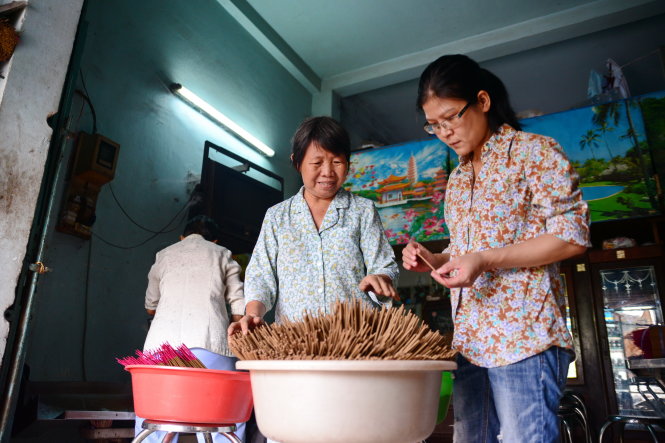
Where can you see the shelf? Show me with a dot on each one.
(613, 255)
(11, 8)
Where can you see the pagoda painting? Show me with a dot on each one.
(407, 183)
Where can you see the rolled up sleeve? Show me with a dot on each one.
(556, 195)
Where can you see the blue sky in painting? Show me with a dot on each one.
(430, 155)
(569, 127)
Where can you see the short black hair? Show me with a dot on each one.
(204, 226)
(458, 76)
(326, 132)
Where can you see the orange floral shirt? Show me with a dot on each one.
(526, 187)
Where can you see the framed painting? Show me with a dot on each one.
(407, 182)
(613, 147)
(616, 148)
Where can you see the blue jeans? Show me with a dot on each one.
(516, 403)
(211, 361)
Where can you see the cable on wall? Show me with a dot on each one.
(153, 235)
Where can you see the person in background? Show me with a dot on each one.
(323, 244)
(514, 210)
(189, 287)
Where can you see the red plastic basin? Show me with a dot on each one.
(191, 394)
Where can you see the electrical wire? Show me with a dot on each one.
(86, 96)
(189, 202)
(630, 62)
(161, 231)
(84, 333)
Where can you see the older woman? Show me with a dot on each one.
(323, 244)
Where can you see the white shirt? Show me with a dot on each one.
(189, 286)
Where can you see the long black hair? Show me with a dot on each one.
(458, 76)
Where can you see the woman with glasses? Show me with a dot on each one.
(514, 211)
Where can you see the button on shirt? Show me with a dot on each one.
(526, 187)
(300, 268)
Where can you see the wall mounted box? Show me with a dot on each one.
(94, 163)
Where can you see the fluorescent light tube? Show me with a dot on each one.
(204, 107)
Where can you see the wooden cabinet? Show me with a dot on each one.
(612, 293)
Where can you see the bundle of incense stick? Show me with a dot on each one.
(352, 332)
(165, 355)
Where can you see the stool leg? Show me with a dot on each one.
(622, 427)
(652, 432)
(602, 431)
(562, 428)
(207, 438)
(168, 438)
(569, 435)
(142, 435)
(231, 436)
(582, 416)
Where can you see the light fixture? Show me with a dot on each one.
(205, 108)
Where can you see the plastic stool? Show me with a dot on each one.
(572, 408)
(647, 422)
(174, 428)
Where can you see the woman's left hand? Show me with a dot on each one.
(380, 284)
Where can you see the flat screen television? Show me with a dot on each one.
(236, 201)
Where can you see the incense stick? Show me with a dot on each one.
(354, 331)
(165, 355)
(426, 262)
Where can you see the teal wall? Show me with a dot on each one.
(90, 308)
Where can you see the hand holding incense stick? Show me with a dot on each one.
(450, 274)
(426, 262)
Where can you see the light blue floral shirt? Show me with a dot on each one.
(298, 268)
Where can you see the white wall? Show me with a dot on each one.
(32, 92)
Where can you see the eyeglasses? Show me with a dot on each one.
(447, 123)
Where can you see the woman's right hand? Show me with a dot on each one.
(244, 325)
(410, 259)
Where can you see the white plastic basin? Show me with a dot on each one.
(350, 401)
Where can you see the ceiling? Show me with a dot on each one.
(349, 47)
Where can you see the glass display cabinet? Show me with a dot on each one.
(631, 304)
(628, 288)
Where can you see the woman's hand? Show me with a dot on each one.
(412, 262)
(460, 272)
(380, 284)
(244, 325)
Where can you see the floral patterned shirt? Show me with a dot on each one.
(526, 187)
(300, 268)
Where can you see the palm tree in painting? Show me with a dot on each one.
(604, 128)
(590, 140)
(612, 112)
